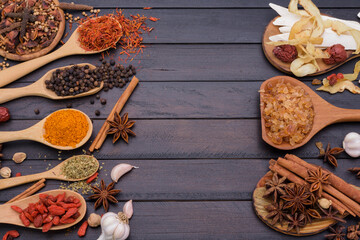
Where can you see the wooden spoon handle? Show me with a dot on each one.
(26, 134)
(344, 115)
(15, 181)
(9, 94)
(13, 73)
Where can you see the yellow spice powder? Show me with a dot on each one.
(66, 128)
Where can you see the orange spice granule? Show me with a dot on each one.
(66, 128)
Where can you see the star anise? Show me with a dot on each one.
(296, 198)
(330, 213)
(353, 232)
(337, 234)
(104, 194)
(329, 155)
(120, 127)
(355, 170)
(317, 179)
(275, 186)
(275, 212)
(310, 214)
(295, 221)
(26, 16)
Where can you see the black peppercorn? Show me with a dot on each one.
(92, 101)
(112, 62)
(69, 105)
(97, 113)
(97, 96)
(36, 111)
(103, 101)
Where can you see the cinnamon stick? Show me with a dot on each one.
(28, 192)
(73, 6)
(335, 181)
(275, 167)
(101, 136)
(302, 171)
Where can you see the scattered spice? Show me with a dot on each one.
(337, 234)
(330, 153)
(92, 178)
(97, 112)
(104, 194)
(355, 170)
(5, 172)
(79, 167)
(18, 174)
(82, 229)
(19, 157)
(50, 210)
(97, 96)
(11, 235)
(317, 179)
(103, 101)
(4, 114)
(353, 232)
(36, 111)
(99, 33)
(79, 186)
(320, 146)
(92, 101)
(120, 127)
(316, 82)
(25, 16)
(275, 187)
(66, 128)
(69, 105)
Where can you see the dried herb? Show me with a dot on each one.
(353, 232)
(26, 16)
(317, 179)
(337, 234)
(104, 194)
(79, 167)
(355, 170)
(295, 222)
(310, 214)
(296, 198)
(329, 155)
(275, 212)
(331, 214)
(120, 127)
(275, 186)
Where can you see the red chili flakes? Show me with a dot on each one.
(147, 8)
(154, 19)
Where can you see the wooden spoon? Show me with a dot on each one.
(54, 173)
(271, 30)
(71, 47)
(36, 132)
(325, 113)
(9, 216)
(38, 88)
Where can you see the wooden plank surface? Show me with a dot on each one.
(198, 145)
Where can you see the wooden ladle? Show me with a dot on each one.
(71, 47)
(38, 88)
(54, 173)
(325, 113)
(9, 216)
(36, 132)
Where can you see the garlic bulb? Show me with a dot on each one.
(120, 170)
(351, 144)
(359, 15)
(116, 226)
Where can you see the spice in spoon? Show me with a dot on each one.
(66, 128)
(79, 167)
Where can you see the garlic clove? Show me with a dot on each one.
(111, 224)
(351, 144)
(119, 170)
(128, 209)
(119, 231)
(105, 216)
(127, 232)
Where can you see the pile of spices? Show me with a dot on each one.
(50, 211)
(76, 79)
(80, 186)
(99, 33)
(66, 128)
(79, 167)
(28, 26)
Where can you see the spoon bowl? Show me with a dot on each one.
(325, 113)
(9, 216)
(54, 173)
(71, 47)
(36, 133)
(38, 88)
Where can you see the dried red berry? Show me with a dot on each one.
(337, 54)
(286, 53)
(4, 114)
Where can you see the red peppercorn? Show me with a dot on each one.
(18, 174)
(340, 76)
(4, 114)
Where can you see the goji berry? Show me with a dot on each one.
(56, 210)
(48, 219)
(76, 215)
(56, 220)
(24, 220)
(70, 199)
(38, 221)
(18, 174)
(52, 198)
(69, 213)
(67, 221)
(34, 213)
(40, 208)
(50, 202)
(16, 208)
(31, 208)
(28, 216)
(60, 197)
(12, 233)
(82, 229)
(76, 200)
(43, 196)
(46, 227)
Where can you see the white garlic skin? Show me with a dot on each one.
(351, 144)
(113, 228)
(119, 170)
(128, 209)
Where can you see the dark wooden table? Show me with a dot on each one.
(198, 143)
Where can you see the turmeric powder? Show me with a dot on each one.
(66, 128)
